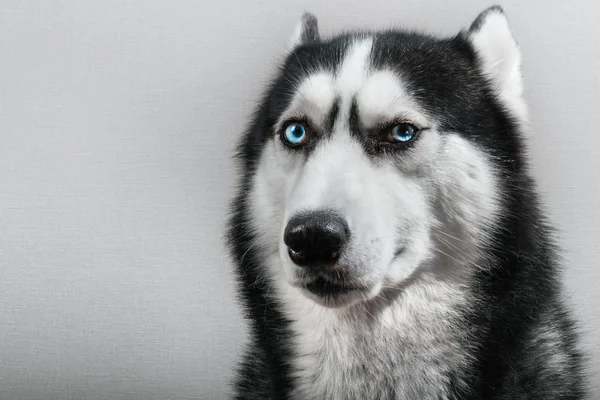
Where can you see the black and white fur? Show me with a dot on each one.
(461, 295)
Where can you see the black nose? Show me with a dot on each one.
(316, 238)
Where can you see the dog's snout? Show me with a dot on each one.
(315, 239)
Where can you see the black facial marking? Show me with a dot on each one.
(399, 251)
(353, 119)
(333, 114)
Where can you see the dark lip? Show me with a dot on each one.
(324, 288)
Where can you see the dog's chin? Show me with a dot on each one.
(332, 295)
(335, 301)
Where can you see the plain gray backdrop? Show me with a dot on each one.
(117, 123)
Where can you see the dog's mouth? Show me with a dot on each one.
(332, 293)
(333, 286)
(323, 288)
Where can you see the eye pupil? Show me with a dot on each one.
(297, 131)
(294, 134)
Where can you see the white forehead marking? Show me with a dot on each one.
(351, 77)
(355, 67)
(314, 97)
(319, 90)
(316, 94)
(380, 95)
(383, 97)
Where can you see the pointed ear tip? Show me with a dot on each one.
(496, 8)
(307, 30)
(309, 20)
(309, 17)
(485, 14)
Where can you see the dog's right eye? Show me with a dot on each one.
(401, 133)
(294, 134)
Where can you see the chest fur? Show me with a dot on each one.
(394, 353)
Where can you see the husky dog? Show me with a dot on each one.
(388, 238)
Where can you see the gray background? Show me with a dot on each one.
(117, 121)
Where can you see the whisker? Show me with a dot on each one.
(246, 252)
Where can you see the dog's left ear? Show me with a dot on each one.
(499, 55)
(306, 31)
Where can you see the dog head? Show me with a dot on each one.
(377, 156)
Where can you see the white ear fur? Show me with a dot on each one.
(306, 31)
(499, 57)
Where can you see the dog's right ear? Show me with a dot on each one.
(306, 31)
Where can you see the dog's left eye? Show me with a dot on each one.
(294, 134)
(401, 133)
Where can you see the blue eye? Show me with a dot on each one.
(294, 134)
(402, 133)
